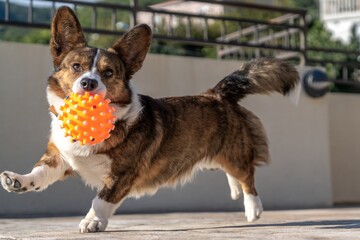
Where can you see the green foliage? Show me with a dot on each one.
(17, 34)
(25, 35)
(128, 2)
(100, 41)
(355, 45)
(37, 36)
(319, 36)
(354, 38)
(125, 2)
(312, 7)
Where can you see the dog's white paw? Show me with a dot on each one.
(253, 207)
(13, 182)
(93, 225)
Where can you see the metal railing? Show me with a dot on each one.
(282, 35)
(197, 27)
(289, 37)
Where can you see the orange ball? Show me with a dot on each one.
(87, 118)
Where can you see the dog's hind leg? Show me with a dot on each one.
(252, 201)
(244, 176)
(235, 187)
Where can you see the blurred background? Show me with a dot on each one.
(313, 144)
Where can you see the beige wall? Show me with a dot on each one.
(345, 151)
(299, 175)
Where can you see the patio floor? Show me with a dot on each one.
(334, 223)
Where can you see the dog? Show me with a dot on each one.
(155, 142)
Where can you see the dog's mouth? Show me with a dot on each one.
(100, 92)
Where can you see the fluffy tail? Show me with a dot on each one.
(257, 76)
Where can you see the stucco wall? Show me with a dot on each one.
(345, 151)
(299, 175)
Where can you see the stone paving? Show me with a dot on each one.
(334, 223)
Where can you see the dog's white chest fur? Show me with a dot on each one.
(92, 168)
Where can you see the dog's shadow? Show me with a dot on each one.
(324, 224)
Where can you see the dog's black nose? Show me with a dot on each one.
(88, 84)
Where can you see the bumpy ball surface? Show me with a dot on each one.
(87, 118)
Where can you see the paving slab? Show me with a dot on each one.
(334, 223)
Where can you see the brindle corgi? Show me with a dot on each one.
(156, 142)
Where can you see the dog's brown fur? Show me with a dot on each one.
(170, 137)
(174, 134)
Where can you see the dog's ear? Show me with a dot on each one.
(66, 34)
(132, 48)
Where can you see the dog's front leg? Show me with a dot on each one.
(96, 219)
(48, 170)
(105, 203)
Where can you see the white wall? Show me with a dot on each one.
(299, 175)
(345, 150)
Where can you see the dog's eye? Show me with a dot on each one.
(108, 73)
(76, 67)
